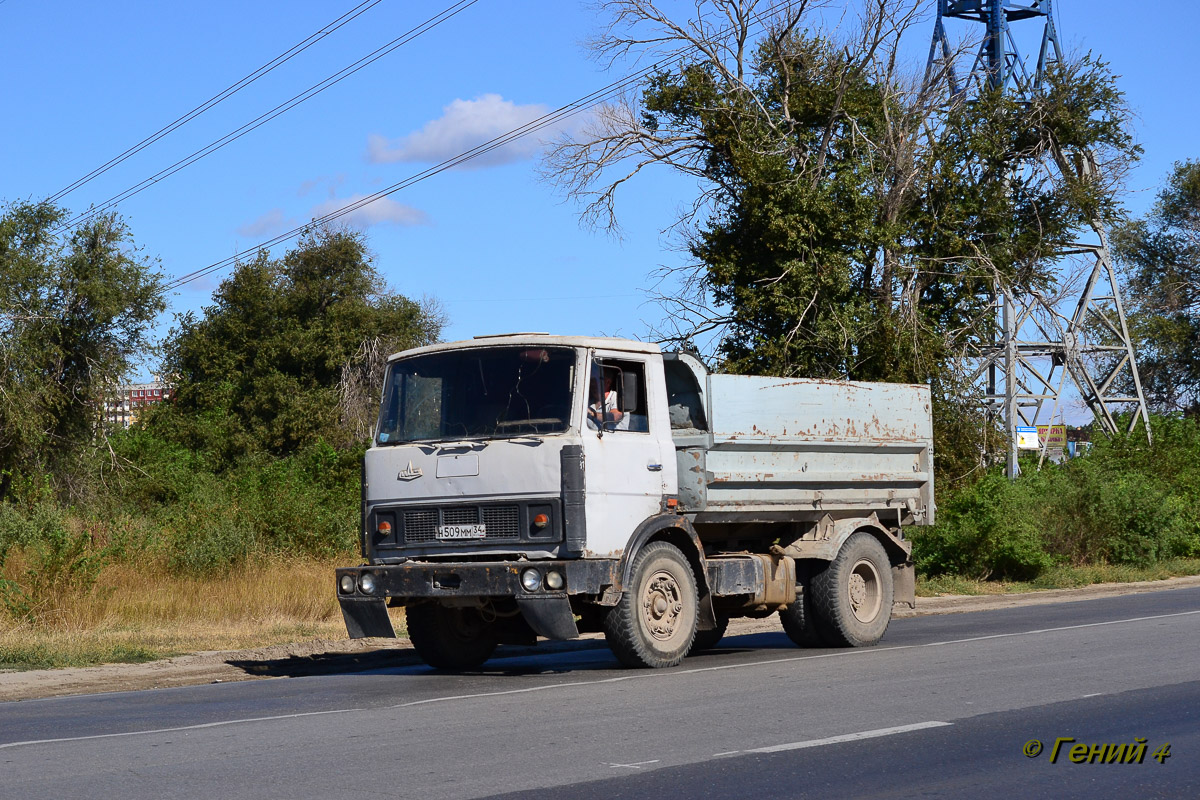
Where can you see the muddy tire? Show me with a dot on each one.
(852, 597)
(799, 618)
(706, 640)
(654, 623)
(450, 638)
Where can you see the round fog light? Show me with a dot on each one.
(554, 579)
(531, 579)
(366, 582)
(347, 584)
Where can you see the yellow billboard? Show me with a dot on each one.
(1052, 436)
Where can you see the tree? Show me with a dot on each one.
(851, 220)
(76, 307)
(260, 370)
(1160, 256)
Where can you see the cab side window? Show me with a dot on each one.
(617, 396)
(685, 404)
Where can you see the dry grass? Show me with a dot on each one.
(138, 616)
(134, 615)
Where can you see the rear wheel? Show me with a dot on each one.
(852, 598)
(654, 623)
(450, 638)
(799, 617)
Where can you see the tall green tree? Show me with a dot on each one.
(852, 221)
(266, 367)
(1160, 256)
(76, 306)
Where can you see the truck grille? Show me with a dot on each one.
(503, 522)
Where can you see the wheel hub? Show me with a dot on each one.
(864, 588)
(858, 591)
(661, 605)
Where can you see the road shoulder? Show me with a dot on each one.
(329, 656)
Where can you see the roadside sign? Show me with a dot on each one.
(1055, 436)
(1027, 438)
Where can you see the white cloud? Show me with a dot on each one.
(331, 183)
(271, 222)
(465, 124)
(380, 212)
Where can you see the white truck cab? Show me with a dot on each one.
(531, 485)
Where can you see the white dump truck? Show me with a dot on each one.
(530, 485)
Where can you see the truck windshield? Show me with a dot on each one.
(477, 393)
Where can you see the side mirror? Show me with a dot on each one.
(630, 395)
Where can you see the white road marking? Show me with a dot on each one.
(850, 737)
(637, 765)
(1062, 628)
(182, 727)
(1093, 694)
(652, 675)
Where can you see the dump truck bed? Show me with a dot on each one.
(818, 446)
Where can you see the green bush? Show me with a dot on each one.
(1125, 503)
(987, 530)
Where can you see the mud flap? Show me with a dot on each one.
(366, 618)
(904, 585)
(549, 615)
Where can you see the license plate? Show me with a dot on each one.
(477, 531)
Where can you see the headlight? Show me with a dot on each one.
(531, 579)
(366, 583)
(554, 579)
(346, 584)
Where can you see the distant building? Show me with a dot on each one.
(127, 403)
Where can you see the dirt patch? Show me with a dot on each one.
(324, 657)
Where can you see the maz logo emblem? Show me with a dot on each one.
(409, 473)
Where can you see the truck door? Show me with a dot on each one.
(626, 472)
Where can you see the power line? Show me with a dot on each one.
(559, 114)
(278, 110)
(226, 93)
(563, 112)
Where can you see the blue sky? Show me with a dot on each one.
(497, 247)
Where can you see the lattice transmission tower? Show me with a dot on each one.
(1081, 334)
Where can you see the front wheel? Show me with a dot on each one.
(852, 597)
(450, 638)
(654, 623)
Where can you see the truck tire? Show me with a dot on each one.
(450, 638)
(799, 620)
(852, 598)
(654, 623)
(706, 640)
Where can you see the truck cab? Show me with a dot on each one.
(530, 485)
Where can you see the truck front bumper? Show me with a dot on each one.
(363, 591)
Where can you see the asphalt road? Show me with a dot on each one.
(942, 708)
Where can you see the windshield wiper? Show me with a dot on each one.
(525, 439)
(437, 447)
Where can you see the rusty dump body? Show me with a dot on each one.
(773, 449)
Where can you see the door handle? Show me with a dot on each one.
(654, 467)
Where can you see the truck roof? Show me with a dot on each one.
(534, 339)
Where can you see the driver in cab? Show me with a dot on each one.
(606, 409)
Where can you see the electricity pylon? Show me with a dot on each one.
(1042, 341)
